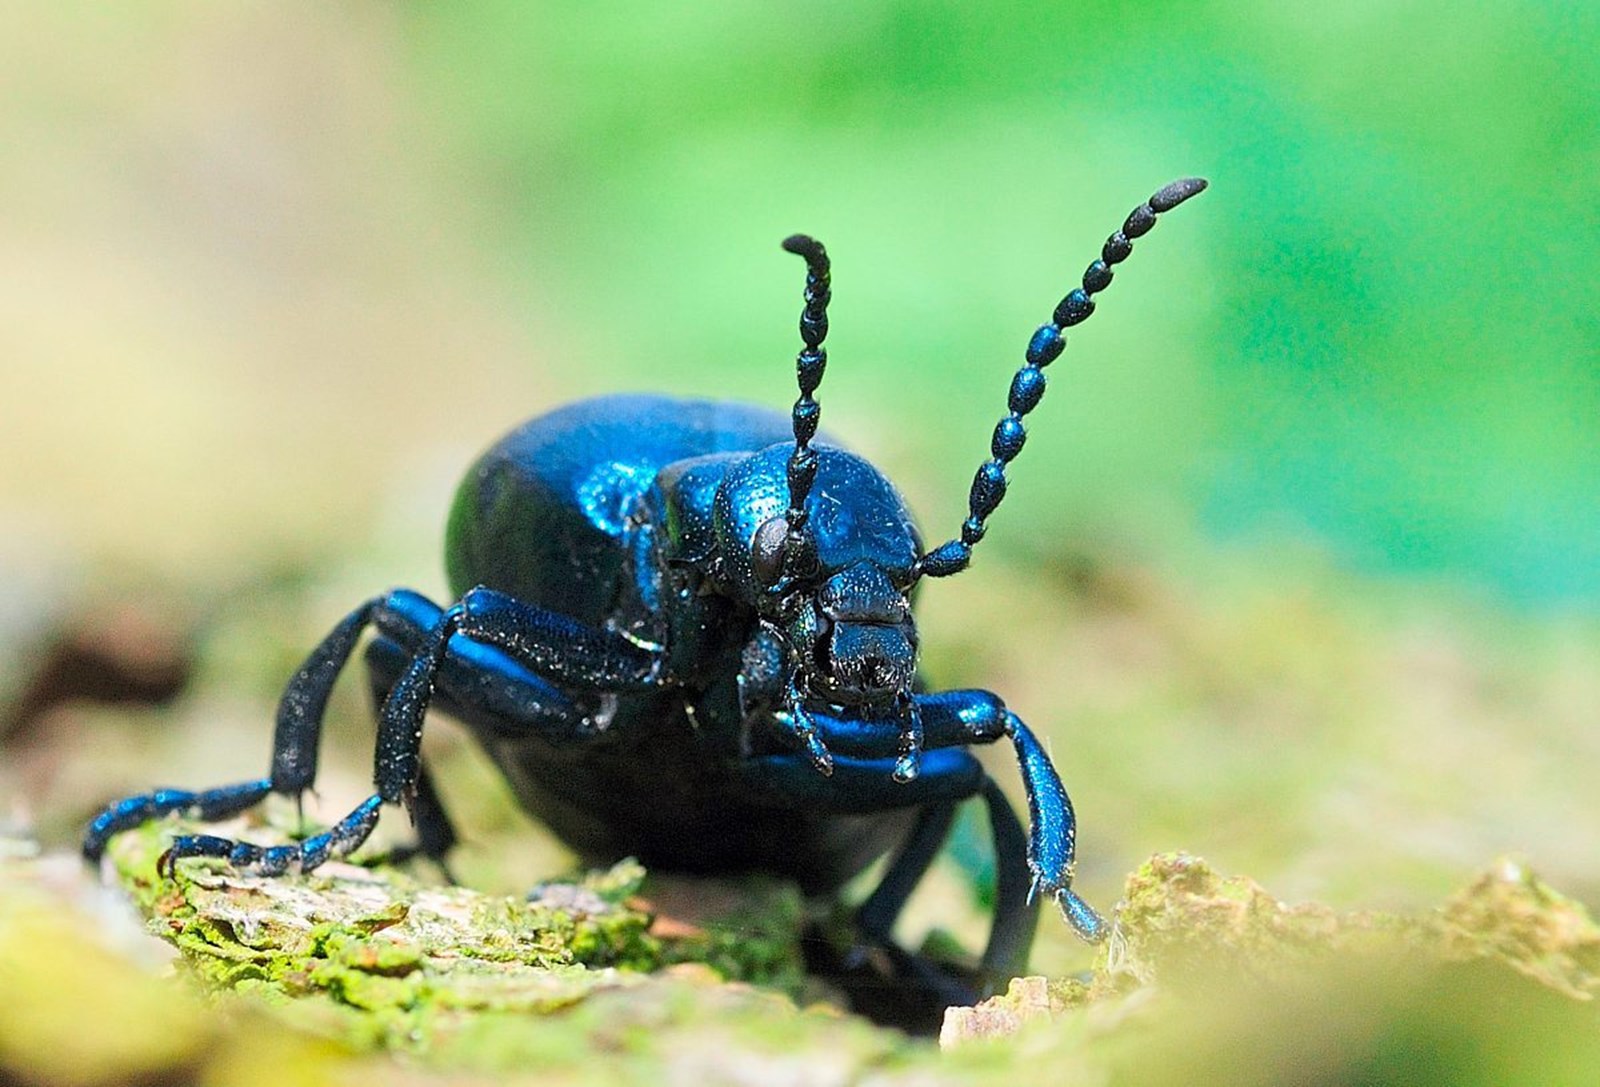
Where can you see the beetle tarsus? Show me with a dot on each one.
(339, 840)
(1083, 918)
(908, 764)
(210, 805)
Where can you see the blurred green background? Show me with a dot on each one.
(1301, 567)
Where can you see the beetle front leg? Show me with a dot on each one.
(960, 718)
(981, 717)
(1052, 845)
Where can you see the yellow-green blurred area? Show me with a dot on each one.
(1300, 569)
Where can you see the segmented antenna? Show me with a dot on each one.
(1027, 387)
(809, 366)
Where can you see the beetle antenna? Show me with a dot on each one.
(1027, 387)
(809, 366)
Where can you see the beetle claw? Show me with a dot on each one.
(906, 768)
(821, 757)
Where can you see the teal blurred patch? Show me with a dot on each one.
(1383, 338)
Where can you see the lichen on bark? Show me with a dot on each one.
(378, 957)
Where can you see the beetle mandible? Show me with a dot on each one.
(684, 633)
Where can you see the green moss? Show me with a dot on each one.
(376, 958)
(1510, 915)
(1211, 977)
(745, 930)
(1180, 916)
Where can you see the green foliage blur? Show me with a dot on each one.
(1376, 331)
(240, 234)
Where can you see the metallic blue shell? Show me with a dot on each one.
(542, 513)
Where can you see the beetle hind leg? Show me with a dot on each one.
(916, 990)
(1015, 912)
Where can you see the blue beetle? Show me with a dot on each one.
(683, 631)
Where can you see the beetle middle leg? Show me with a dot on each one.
(436, 834)
(948, 776)
(541, 644)
(295, 741)
(1015, 911)
(916, 990)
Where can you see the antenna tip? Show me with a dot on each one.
(806, 246)
(1176, 193)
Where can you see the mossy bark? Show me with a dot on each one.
(353, 973)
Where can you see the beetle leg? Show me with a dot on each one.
(1015, 913)
(396, 772)
(954, 720)
(877, 915)
(958, 718)
(858, 785)
(485, 687)
(507, 631)
(337, 841)
(560, 649)
(542, 640)
(799, 724)
(1052, 845)
(1052, 842)
(436, 835)
(949, 775)
(294, 747)
(220, 803)
(296, 737)
(946, 719)
(398, 756)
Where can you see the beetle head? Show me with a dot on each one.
(837, 589)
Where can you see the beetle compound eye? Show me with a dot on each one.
(766, 552)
